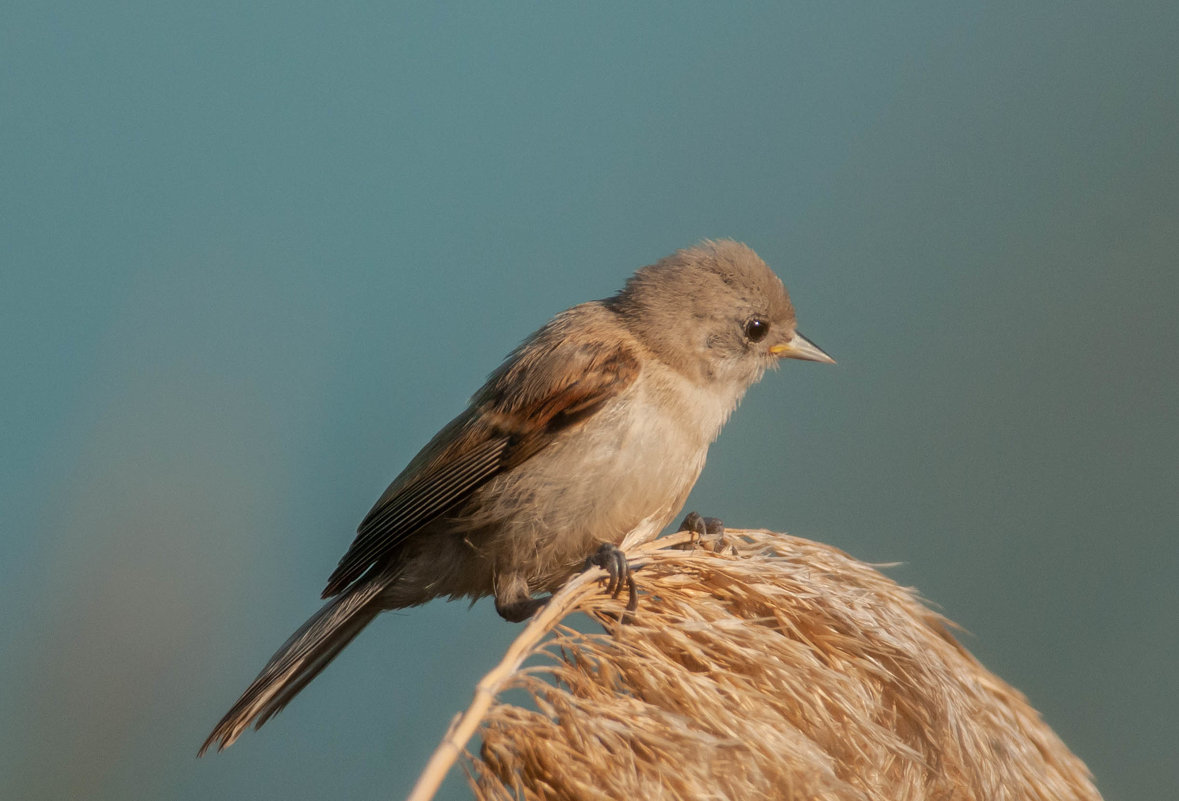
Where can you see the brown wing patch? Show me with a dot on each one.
(555, 381)
(551, 388)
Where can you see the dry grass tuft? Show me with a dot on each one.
(784, 670)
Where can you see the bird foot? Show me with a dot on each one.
(707, 533)
(612, 559)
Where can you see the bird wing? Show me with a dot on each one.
(550, 384)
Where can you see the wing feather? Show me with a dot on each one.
(553, 382)
(420, 502)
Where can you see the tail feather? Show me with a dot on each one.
(298, 661)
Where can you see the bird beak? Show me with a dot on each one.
(801, 348)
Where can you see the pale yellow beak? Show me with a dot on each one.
(801, 348)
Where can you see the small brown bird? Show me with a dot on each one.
(596, 426)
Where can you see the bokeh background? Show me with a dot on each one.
(254, 255)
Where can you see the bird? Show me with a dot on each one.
(596, 426)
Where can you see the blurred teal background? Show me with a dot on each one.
(253, 256)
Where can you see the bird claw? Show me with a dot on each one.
(612, 559)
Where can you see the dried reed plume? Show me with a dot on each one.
(776, 669)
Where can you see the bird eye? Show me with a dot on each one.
(756, 329)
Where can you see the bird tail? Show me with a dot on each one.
(298, 661)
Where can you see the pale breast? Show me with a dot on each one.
(632, 463)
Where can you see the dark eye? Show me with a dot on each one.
(756, 329)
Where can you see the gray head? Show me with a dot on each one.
(715, 312)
